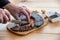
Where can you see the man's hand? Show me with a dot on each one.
(4, 16)
(15, 11)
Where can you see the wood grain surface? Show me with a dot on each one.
(49, 32)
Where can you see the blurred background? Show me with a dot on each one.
(38, 4)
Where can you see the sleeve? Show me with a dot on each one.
(3, 3)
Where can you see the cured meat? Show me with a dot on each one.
(37, 22)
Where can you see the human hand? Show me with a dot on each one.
(15, 11)
(4, 16)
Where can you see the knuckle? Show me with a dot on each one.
(7, 19)
(1, 10)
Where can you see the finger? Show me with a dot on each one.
(16, 16)
(1, 18)
(27, 15)
(4, 20)
(26, 9)
(5, 17)
(8, 14)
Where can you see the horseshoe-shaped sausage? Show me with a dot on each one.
(38, 21)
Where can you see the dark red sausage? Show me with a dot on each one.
(38, 21)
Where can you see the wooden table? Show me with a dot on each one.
(49, 32)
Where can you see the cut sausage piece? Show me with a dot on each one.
(24, 20)
(38, 19)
